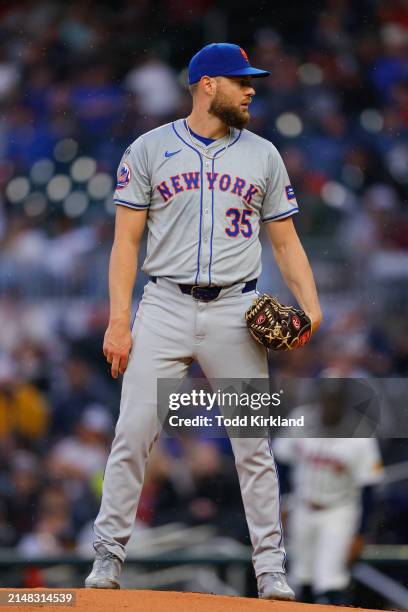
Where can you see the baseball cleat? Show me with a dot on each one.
(273, 585)
(105, 572)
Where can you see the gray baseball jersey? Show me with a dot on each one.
(204, 218)
(204, 214)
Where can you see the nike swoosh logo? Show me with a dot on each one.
(171, 153)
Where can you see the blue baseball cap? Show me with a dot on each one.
(221, 59)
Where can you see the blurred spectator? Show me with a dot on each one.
(23, 492)
(51, 534)
(78, 461)
(155, 87)
(83, 455)
(9, 76)
(23, 409)
(202, 488)
(33, 364)
(97, 101)
(391, 66)
(375, 225)
(79, 389)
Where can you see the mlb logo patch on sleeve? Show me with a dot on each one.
(123, 176)
(290, 194)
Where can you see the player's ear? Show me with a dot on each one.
(209, 85)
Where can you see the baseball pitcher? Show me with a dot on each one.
(203, 185)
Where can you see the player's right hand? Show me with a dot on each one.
(116, 346)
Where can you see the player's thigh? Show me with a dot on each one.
(336, 531)
(228, 350)
(152, 357)
(160, 350)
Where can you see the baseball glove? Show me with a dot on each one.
(278, 327)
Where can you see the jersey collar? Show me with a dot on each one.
(219, 143)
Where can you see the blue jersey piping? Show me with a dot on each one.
(131, 204)
(212, 207)
(201, 199)
(288, 213)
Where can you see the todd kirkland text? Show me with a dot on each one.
(260, 421)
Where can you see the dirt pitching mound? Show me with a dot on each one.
(157, 601)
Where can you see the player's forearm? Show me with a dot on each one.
(297, 274)
(122, 276)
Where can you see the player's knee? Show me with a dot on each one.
(137, 433)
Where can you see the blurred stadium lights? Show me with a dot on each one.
(42, 171)
(334, 194)
(75, 204)
(394, 34)
(289, 124)
(397, 161)
(17, 189)
(65, 150)
(310, 74)
(372, 120)
(59, 187)
(35, 204)
(82, 169)
(100, 186)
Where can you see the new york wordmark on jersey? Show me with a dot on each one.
(188, 181)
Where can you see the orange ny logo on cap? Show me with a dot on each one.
(244, 55)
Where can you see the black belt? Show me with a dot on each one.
(207, 294)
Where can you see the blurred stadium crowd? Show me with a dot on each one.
(77, 85)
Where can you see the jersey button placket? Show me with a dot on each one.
(205, 230)
(201, 307)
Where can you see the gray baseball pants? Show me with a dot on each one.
(171, 329)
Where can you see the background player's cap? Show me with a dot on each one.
(221, 59)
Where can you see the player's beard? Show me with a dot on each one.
(230, 115)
